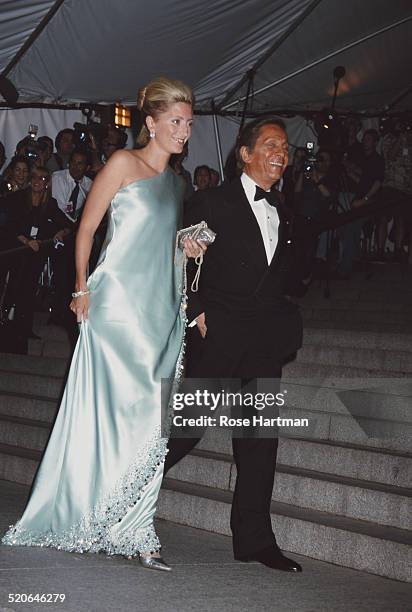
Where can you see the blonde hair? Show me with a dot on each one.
(156, 97)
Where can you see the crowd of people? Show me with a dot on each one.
(43, 190)
(347, 175)
(45, 185)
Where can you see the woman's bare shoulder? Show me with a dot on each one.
(129, 165)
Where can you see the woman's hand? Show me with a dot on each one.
(34, 245)
(80, 307)
(194, 248)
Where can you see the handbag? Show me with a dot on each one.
(202, 232)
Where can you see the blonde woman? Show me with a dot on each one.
(97, 487)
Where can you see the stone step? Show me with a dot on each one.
(340, 457)
(32, 364)
(49, 332)
(360, 339)
(18, 464)
(364, 500)
(24, 433)
(50, 348)
(355, 316)
(306, 370)
(387, 326)
(352, 543)
(328, 427)
(386, 399)
(392, 468)
(376, 359)
(28, 407)
(360, 305)
(31, 384)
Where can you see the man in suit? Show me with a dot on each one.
(245, 328)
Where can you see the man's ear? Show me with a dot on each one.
(245, 154)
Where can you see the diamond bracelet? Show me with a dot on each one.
(77, 294)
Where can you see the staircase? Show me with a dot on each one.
(343, 487)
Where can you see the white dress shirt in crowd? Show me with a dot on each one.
(62, 187)
(266, 216)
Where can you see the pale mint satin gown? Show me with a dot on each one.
(98, 483)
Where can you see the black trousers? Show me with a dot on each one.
(25, 270)
(255, 457)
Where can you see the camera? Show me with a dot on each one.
(31, 143)
(83, 133)
(310, 160)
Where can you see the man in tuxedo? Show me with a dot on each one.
(245, 328)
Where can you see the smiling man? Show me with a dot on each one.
(244, 327)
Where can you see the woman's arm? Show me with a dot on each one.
(105, 186)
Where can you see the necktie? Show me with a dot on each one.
(272, 197)
(73, 198)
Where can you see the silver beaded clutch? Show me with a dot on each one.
(200, 231)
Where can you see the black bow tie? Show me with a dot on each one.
(272, 197)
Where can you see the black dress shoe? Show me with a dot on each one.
(273, 558)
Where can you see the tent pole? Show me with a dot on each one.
(33, 36)
(270, 51)
(398, 98)
(218, 144)
(320, 60)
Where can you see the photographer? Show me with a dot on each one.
(64, 147)
(366, 179)
(100, 141)
(397, 151)
(291, 175)
(314, 192)
(34, 217)
(71, 186)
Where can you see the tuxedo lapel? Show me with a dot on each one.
(246, 224)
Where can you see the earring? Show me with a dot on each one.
(152, 134)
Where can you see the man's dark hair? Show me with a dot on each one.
(80, 151)
(47, 140)
(250, 133)
(198, 169)
(371, 132)
(60, 136)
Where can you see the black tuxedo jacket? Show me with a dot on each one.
(243, 296)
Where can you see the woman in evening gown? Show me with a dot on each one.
(99, 480)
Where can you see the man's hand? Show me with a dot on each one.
(358, 203)
(201, 324)
(60, 235)
(34, 245)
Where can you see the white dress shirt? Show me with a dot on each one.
(266, 216)
(62, 187)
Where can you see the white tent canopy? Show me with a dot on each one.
(89, 51)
